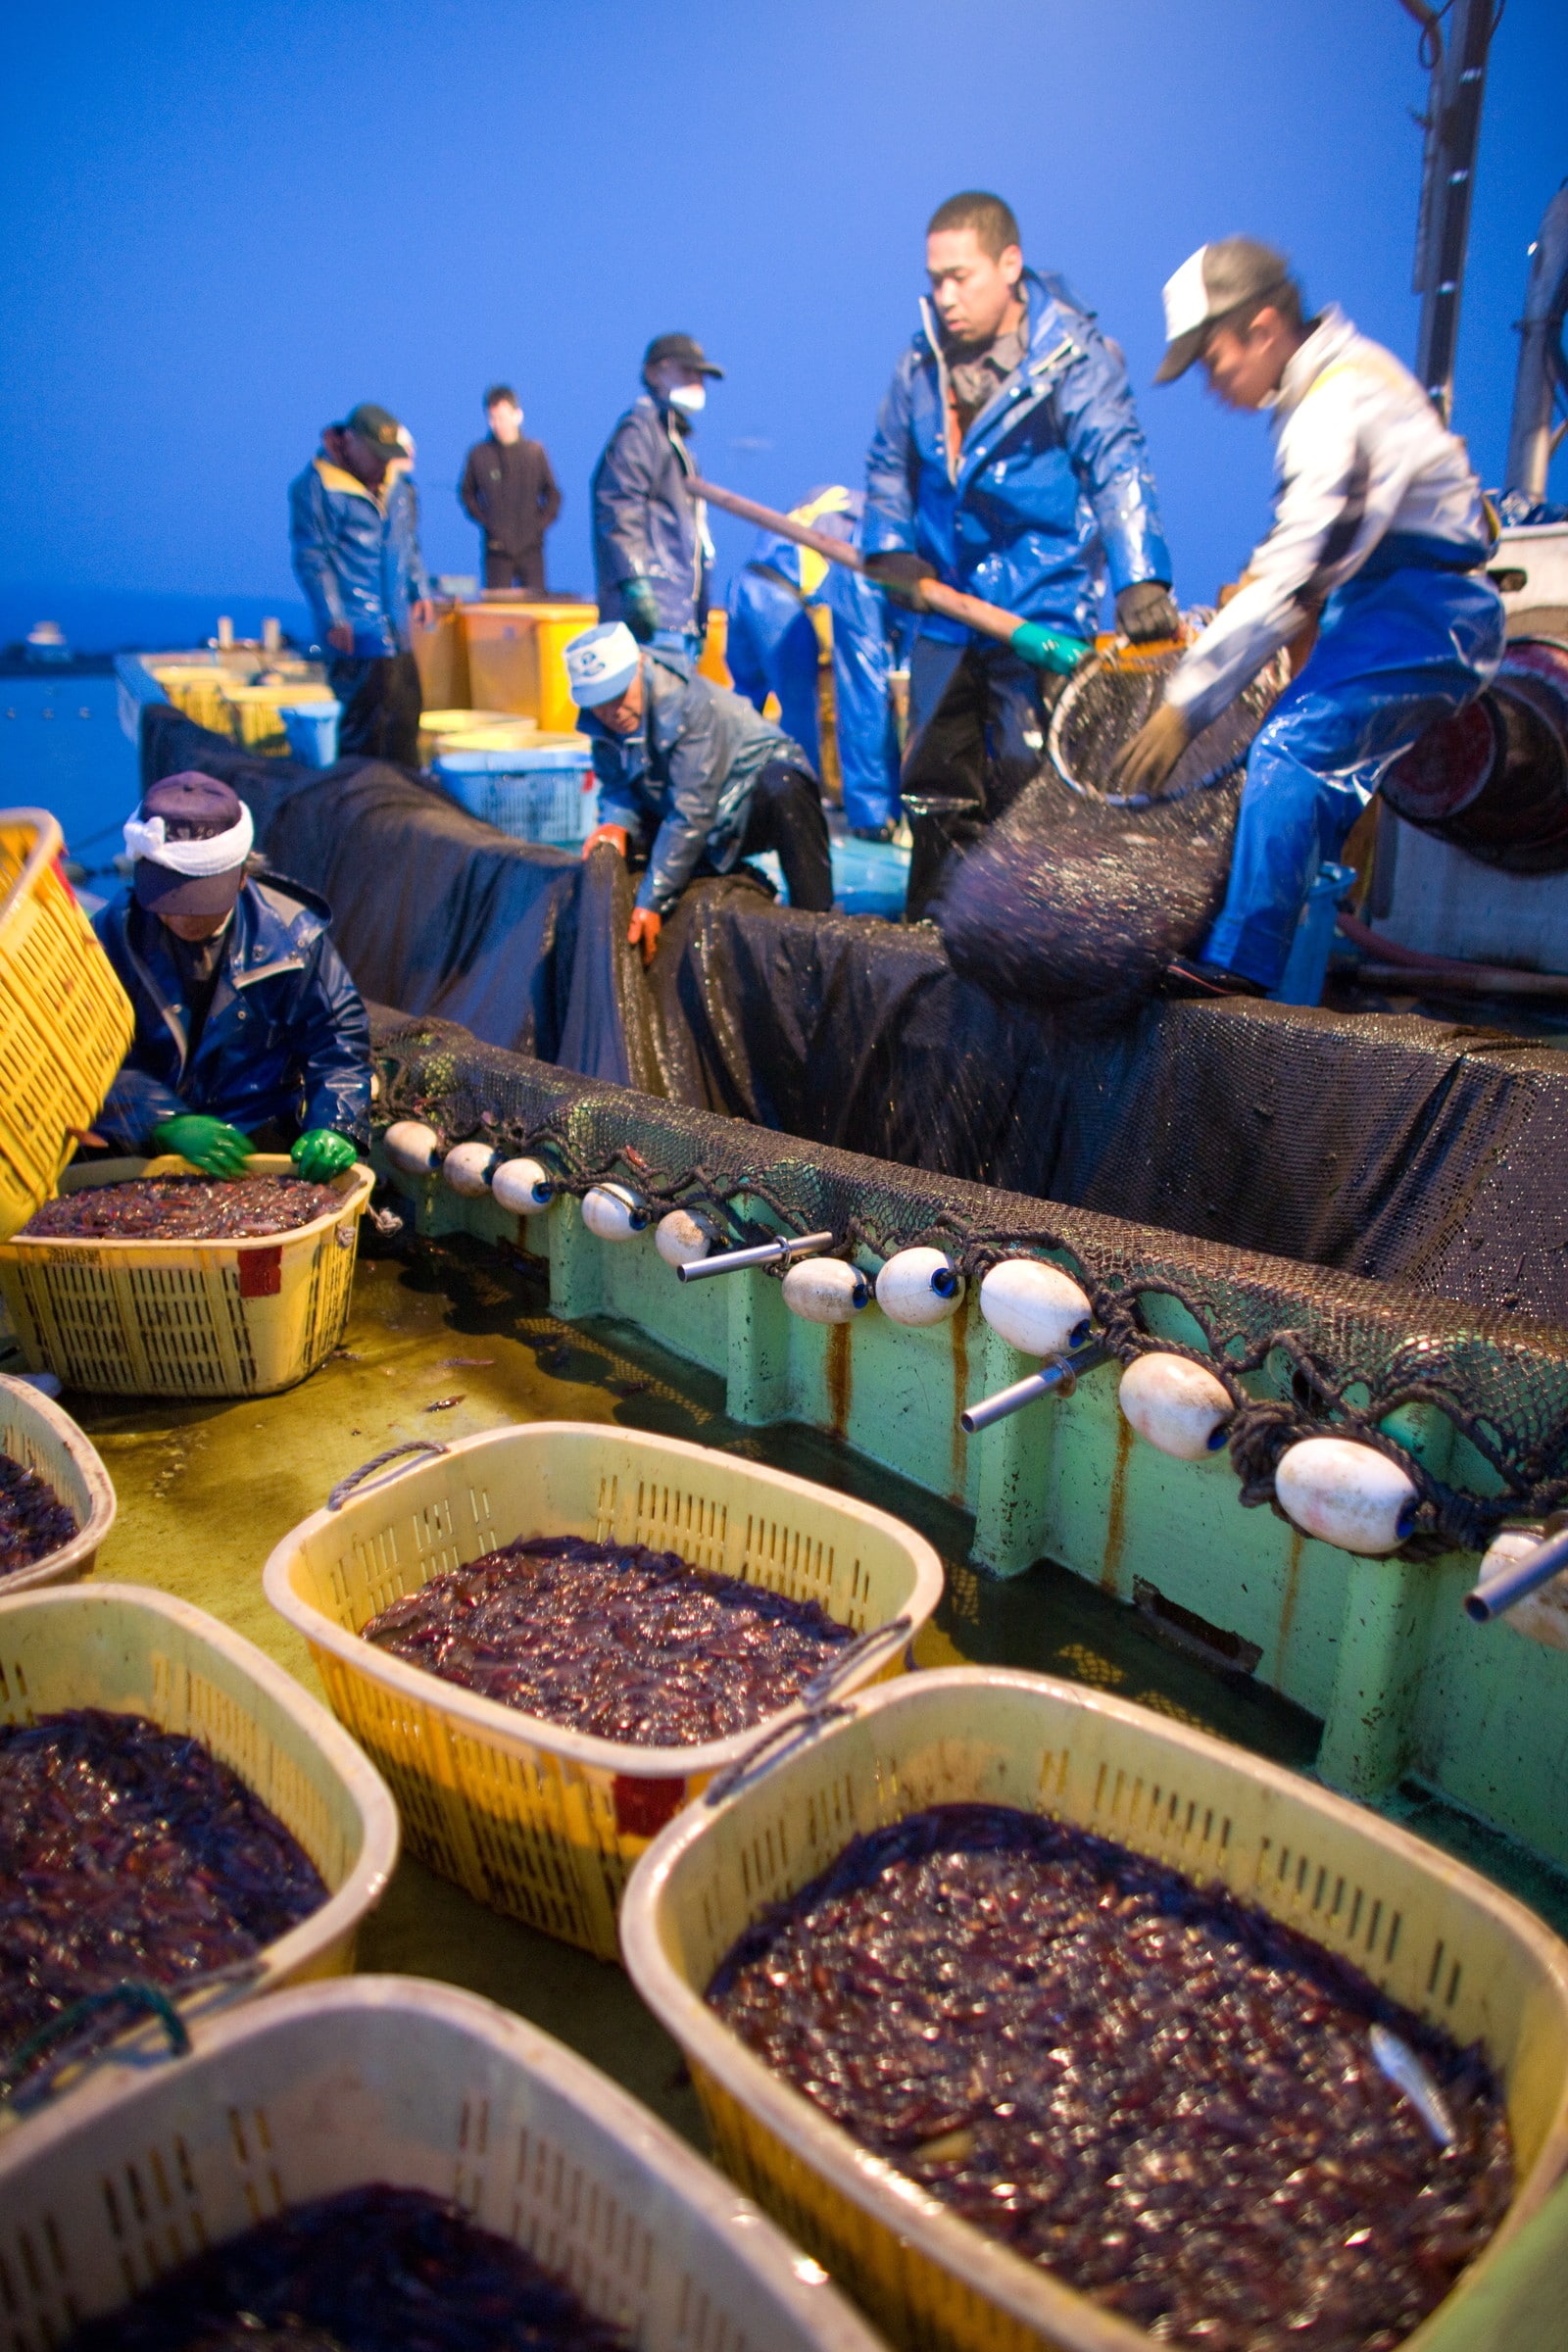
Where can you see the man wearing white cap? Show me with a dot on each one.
(250, 1035)
(1380, 535)
(691, 777)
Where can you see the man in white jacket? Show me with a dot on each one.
(1379, 535)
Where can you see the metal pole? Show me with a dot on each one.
(1540, 345)
(1453, 134)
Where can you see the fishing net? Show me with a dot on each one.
(1303, 1351)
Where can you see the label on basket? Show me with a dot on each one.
(641, 1807)
(261, 1272)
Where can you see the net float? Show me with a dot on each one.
(1346, 1493)
(679, 1239)
(468, 1168)
(614, 1212)
(918, 1286)
(412, 1146)
(1175, 1404)
(1035, 1307)
(824, 1289)
(523, 1187)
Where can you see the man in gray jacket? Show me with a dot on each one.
(691, 777)
(652, 552)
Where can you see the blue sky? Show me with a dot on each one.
(226, 227)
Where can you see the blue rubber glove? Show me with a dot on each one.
(209, 1143)
(322, 1153)
(639, 610)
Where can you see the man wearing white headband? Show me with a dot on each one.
(691, 778)
(250, 1035)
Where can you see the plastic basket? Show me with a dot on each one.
(187, 1318)
(1437, 1937)
(135, 1651)
(392, 2080)
(66, 1023)
(542, 789)
(34, 1431)
(541, 1822)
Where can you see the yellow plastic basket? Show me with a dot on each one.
(1437, 1937)
(34, 1431)
(541, 1822)
(66, 1023)
(187, 1318)
(136, 1652)
(392, 2080)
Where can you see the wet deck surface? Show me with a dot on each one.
(455, 1338)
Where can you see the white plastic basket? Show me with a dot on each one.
(34, 1431)
(392, 2080)
(1436, 1937)
(534, 1819)
(133, 1651)
(544, 790)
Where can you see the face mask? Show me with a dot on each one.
(690, 399)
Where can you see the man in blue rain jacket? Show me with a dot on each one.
(772, 648)
(354, 536)
(250, 1035)
(1007, 462)
(652, 552)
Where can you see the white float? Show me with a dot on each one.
(614, 1212)
(824, 1289)
(468, 1168)
(918, 1286)
(523, 1187)
(412, 1146)
(1346, 1493)
(1033, 1306)
(679, 1239)
(1176, 1404)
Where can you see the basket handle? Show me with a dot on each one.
(346, 1485)
(68, 2038)
(827, 1678)
(779, 1740)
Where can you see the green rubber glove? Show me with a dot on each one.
(1049, 648)
(322, 1153)
(209, 1143)
(640, 611)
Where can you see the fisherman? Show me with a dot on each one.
(652, 552)
(355, 541)
(250, 1035)
(691, 777)
(507, 488)
(773, 648)
(1379, 535)
(1008, 462)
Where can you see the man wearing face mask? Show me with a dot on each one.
(1007, 462)
(652, 552)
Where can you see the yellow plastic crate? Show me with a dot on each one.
(1444, 1942)
(134, 1651)
(66, 1023)
(392, 2080)
(537, 1821)
(187, 1318)
(198, 689)
(34, 1431)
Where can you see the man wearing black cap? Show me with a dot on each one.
(652, 552)
(250, 1035)
(355, 540)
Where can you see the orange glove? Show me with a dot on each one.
(616, 835)
(645, 926)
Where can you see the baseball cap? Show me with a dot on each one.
(601, 663)
(1212, 281)
(194, 821)
(374, 424)
(684, 348)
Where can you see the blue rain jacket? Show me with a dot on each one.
(1053, 482)
(772, 648)
(356, 556)
(684, 781)
(286, 1037)
(647, 524)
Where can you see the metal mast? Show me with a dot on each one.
(1452, 126)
